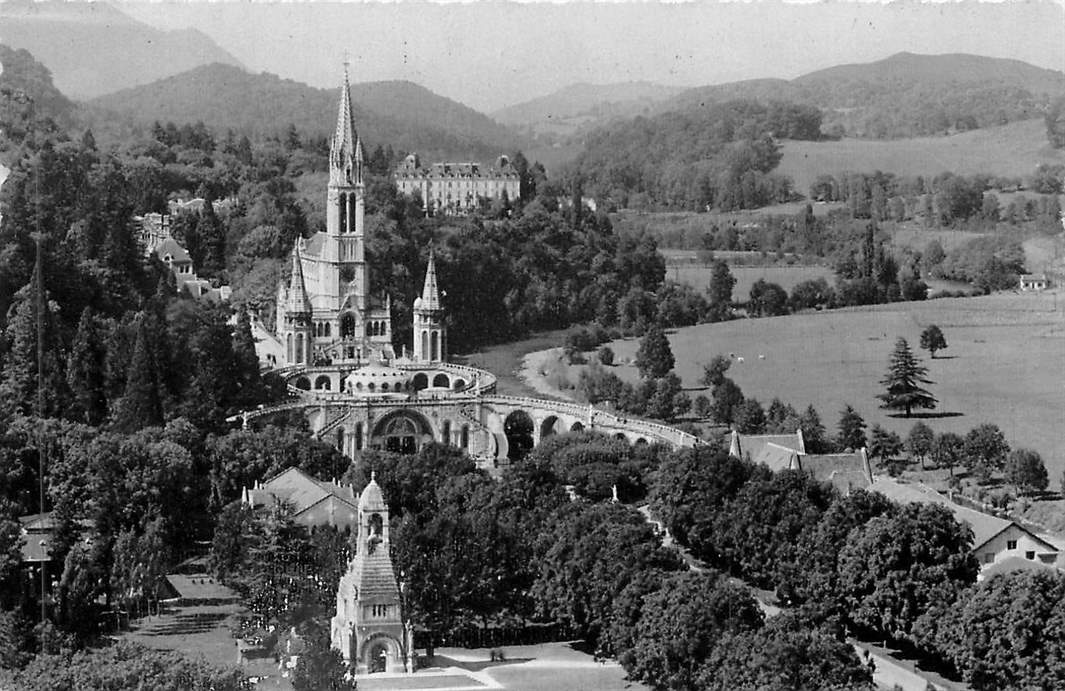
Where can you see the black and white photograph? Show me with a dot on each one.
(535, 345)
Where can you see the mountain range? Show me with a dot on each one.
(397, 113)
(92, 48)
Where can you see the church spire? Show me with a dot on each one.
(298, 302)
(345, 151)
(430, 294)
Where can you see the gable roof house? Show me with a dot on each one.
(314, 502)
(1000, 544)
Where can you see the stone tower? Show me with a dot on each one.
(430, 336)
(368, 627)
(299, 336)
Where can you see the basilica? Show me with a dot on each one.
(324, 311)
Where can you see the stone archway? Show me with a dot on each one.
(402, 431)
(322, 383)
(381, 653)
(303, 383)
(547, 427)
(518, 428)
(420, 381)
(441, 381)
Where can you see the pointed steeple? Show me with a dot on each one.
(430, 295)
(298, 302)
(345, 151)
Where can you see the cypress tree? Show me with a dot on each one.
(141, 405)
(249, 381)
(654, 358)
(85, 372)
(904, 376)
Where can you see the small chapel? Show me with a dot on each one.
(368, 628)
(324, 310)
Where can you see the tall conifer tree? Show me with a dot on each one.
(85, 371)
(904, 376)
(141, 405)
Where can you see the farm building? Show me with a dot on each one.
(846, 471)
(313, 502)
(1034, 282)
(998, 543)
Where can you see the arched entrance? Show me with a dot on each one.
(322, 383)
(401, 432)
(576, 427)
(420, 381)
(381, 653)
(303, 383)
(518, 427)
(441, 381)
(547, 427)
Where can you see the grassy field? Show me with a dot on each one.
(786, 276)
(1013, 149)
(1004, 364)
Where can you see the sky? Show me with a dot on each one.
(492, 54)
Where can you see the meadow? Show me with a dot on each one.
(1014, 150)
(1004, 363)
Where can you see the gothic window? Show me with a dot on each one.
(347, 326)
(358, 433)
(465, 437)
(434, 346)
(327, 330)
(445, 433)
(425, 345)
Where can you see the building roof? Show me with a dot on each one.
(371, 498)
(846, 471)
(346, 148)
(751, 445)
(1033, 277)
(430, 298)
(176, 251)
(984, 526)
(778, 457)
(36, 535)
(299, 489)
(297, 289)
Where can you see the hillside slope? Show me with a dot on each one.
(567, 109)
(402, 114)
(905, 95)
(1011, 150)
(93, 48)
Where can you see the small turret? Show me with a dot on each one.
(430, 337)
(297, 300)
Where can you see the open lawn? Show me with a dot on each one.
(1004, 363)
(1014, 150)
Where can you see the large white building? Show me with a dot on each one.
(457, 188)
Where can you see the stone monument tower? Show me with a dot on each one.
(368, 627)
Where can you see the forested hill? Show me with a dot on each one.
(397, 113)
(905, 95)
(92, 48)
(27, 94)
(579, 104)
(721, 155)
